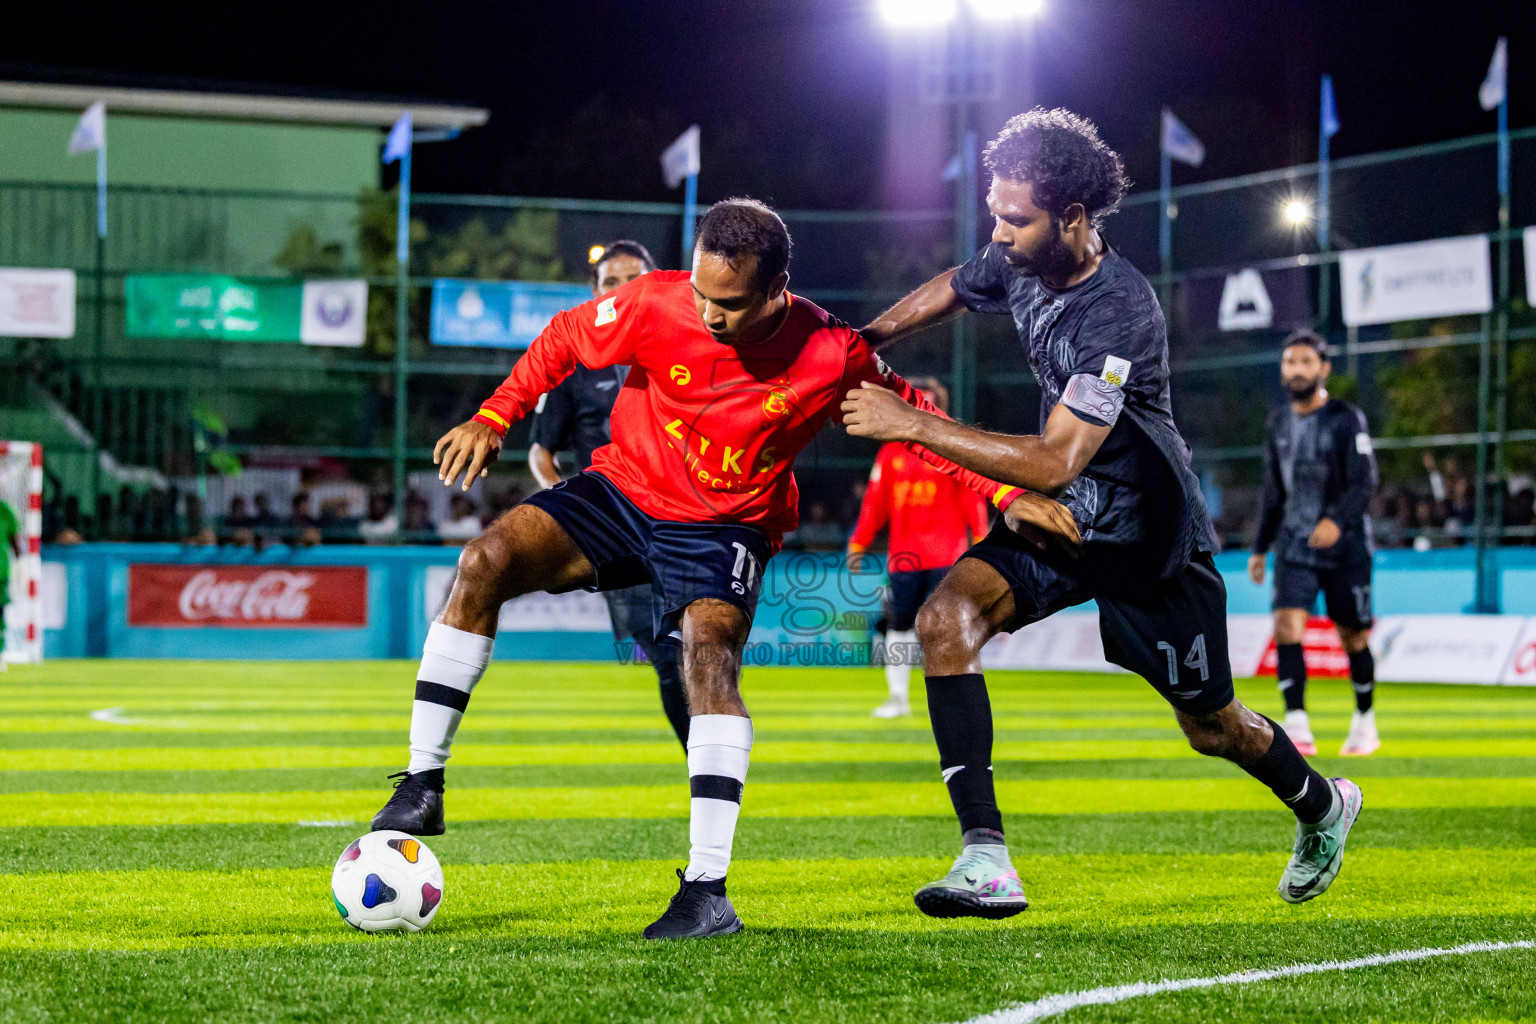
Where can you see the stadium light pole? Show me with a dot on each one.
(963, 66)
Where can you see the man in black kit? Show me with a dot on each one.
(574, 417)
(1319, 474)
(1108, 448)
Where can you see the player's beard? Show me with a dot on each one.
(1055, 257)
(1302, 388)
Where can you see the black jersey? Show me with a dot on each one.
(1101, 348)
(574, 416)
(1316, 466)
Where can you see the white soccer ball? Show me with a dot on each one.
(386, 882)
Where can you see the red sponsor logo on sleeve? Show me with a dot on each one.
(247, 596)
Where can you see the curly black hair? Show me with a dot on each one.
(738, 228)
(1061, 155)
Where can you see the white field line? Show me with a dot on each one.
(1050, 1006)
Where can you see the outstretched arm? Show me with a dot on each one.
(1046, 463)
(929, 304)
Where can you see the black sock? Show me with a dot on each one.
(961, 716)
(1291, 667)
(669, 677)
(1293, 780)
(1362, 675)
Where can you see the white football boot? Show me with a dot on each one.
(1299, 728)
(1362, 740)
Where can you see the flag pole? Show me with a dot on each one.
(98, 357)
(1164, 221)
(1491, 597)
(402, 340)
(1324, 268)
(690, 216)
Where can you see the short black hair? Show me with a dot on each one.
(621, 247)
(1061, 155)
(1308, 338)
(739, 228)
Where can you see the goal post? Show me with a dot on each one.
(21, 488)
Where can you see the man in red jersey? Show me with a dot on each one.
(730, 378)
(933, 518)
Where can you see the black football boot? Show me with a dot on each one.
(698, 911)
(416, 807)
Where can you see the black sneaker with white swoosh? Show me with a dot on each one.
(698, 911)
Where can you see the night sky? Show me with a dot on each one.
(791, 94)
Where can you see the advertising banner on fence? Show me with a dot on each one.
(241, 309)
(1442, 277)
(248, 596)
(37, 303)
(1444, 648)
(1070, 642)
(575, 612)
(498, 314)
(1521, 669)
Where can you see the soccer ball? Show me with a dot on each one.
(387, 882)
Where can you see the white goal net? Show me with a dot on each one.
(21, 489)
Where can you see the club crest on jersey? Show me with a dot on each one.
(1116, 371)
(607, 312)
(780, 401)
(680, 374)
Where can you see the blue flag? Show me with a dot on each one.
(1330, 111)
(399, 142)
(1179, 142)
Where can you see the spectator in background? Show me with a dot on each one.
(462, 524)
(418, 517)
(1520, 513)
(381, 525)
(238, 518)
(300, 517)
(819, 531)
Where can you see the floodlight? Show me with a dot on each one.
(908, 13)
(1006, 10)
(595, 253)
(1297, 212)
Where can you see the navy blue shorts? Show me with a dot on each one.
(1346, 589)
(906, 595)
(1170, 631)
(682, 562)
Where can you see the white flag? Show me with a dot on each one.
(91, 132)
(1491, 94)
(681, 159)
(1179, 142)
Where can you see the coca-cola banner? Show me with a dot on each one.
(247, 596)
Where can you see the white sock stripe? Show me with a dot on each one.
(1051, 1006)
(1304, 784)
(1286, 684)
(456, 645)
(717, 759)
(721, 730)
(950, 773)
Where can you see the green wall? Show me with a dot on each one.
(186, 153)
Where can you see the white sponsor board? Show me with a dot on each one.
(1245, 303)
(1444, 648)
(575, 612)
(334, 313)
(1442, 277)
(1520, 670)
(1070, 642)
(37, 303)
(53, 591)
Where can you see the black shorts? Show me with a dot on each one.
(631, 613)
(1170, 631)
(682, 562)
(907, 592)
(1346, 589)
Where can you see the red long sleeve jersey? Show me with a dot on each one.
(705, 432)
(928, 513)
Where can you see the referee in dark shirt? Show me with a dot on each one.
(1319, 474)
(574, 418)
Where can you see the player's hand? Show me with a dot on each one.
(1042, 521)
(1256, 568)
(854, 559)
(469, 448)
(1325, 534)
(876, 412)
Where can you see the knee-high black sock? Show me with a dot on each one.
(1292, 779)
(1291, 668)
(962, 726)
(1362, 676)
(669, 677)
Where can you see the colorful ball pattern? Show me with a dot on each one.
(386, 882)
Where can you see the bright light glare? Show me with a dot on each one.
(1297, 212)
(595, 253)
(918, 12)
(1006, 10)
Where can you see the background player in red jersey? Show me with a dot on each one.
(933, 518)
(730, 378)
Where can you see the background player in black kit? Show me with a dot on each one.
(574, 418)
(1319, 474)
(1108, 448)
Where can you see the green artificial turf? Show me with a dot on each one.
(168, 857)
